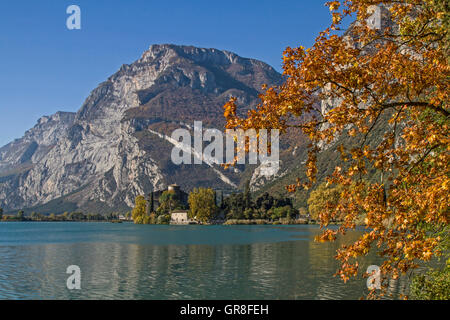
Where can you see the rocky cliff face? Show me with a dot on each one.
(36, 142)
(116, 146)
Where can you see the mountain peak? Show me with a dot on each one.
(117, 145)
(57, 116)
(196, 54)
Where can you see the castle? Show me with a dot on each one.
(181, 195)
(177, 216)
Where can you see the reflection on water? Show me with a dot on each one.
(162, 262)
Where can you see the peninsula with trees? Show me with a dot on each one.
(209, 206)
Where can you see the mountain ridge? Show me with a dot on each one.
(105, 153)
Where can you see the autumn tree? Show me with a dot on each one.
(202, 204)
(139, 211)
(322, 197)
(390, 65)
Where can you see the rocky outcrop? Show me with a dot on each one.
(36, 142)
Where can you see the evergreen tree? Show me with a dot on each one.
(152, 202)
(169, 201)
(247, 195)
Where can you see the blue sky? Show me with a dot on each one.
(44, 67)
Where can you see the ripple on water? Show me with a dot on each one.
(166, 262)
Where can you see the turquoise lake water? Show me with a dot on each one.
(127, 261)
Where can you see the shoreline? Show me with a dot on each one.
(231, 222)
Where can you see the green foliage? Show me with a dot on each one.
(433, 285)
(234, 205)
(38, 216)
(247, 195)
(168, 201)
(76, 216)
(98, 217)
(245, 222)
(66, 216)
(151, 205)
(142, 212)
(20, 215)
(240, 206)
(202, 203)
(248, 213)
(163, 219)
(284, 212)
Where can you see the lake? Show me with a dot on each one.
(127, 261)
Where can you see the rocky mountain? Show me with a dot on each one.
(329, 156)
(36, 142)
(118, 144)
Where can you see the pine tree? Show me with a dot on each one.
(247, 196)
(152, 203)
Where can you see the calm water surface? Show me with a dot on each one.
(127, 261)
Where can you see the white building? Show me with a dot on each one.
(179, 217)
